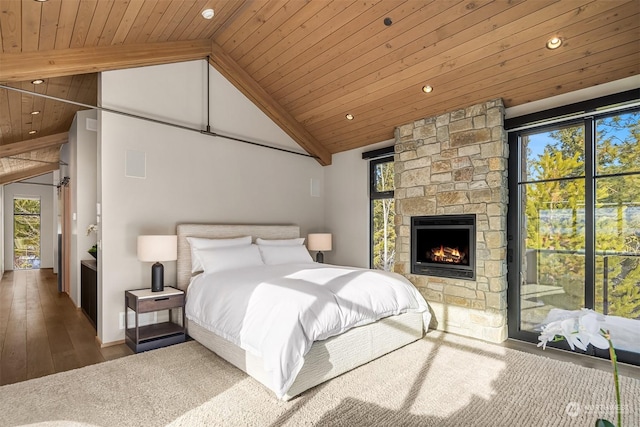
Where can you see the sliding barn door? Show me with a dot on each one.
(65, 255)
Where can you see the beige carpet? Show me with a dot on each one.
(442, 380)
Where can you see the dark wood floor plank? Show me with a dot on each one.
(116, 351)
(42, 331)
(6, 298)
(13, 360)
(65, 361)
(39, 360)
(59, 340)
(82, 336)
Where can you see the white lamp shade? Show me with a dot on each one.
(319, 242)
(157, 248)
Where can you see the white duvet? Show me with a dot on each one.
(276, 312)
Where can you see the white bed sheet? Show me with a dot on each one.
(277, 312)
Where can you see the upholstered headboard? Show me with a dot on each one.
(223, 231)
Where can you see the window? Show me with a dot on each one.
(382, 211)
(574, 216)
(26, 233)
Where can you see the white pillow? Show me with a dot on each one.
(229, 258)
(280, 242)
(198, 243)
(272, 255)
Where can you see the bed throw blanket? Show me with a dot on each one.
(276, 312)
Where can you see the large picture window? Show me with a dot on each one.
(382, 210)
(574, 219)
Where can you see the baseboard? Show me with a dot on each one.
(108, 344)
(569, 356)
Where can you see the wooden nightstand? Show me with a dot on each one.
(89, 290)
(148, 337)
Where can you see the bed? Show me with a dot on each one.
(326, 358)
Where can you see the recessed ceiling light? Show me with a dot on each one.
(31, 132)
(349, 116)
(427, 89)
(41, 1)
(37, 81)
(35, 113)
(554, 42)
(207, 13)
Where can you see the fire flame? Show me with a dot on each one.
(451, 255)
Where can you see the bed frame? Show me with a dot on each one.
(326, 359)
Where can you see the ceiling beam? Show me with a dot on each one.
(24, 66)
(230, 69)
(27, 173)
(34, 144)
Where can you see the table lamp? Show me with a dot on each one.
(156, 249)
(319, 242)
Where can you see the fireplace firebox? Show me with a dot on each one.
(444, 246)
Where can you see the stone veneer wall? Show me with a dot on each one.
(456, 163)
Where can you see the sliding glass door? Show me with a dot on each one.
(574, 221)
(617, 216)
(552, 187)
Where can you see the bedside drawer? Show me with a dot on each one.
(160, 303)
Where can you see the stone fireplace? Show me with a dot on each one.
(452, 165)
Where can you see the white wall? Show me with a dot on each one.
(82, 160)
(347, 206)
(190, 177)
(2, 231)
(30, 188)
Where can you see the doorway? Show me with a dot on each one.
(26, 233)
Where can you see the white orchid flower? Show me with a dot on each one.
(579, 329)
(589, 331)
(569, 331)
(92, 228)
(549, 333)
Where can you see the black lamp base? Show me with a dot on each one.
(320, 257)
(157, 277)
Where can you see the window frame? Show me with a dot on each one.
(374, 194)
(587, 114)
(25, 214)
(377, 157)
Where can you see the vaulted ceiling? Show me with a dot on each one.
(307, 64)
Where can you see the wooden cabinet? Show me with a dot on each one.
(147, 337)
(89, 290)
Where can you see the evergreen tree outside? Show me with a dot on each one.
(384, 234)
(554, 190)
(26, 232)
(618, 214)
(383, 216)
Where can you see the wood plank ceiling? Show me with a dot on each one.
(308, 64)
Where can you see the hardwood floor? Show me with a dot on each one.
(41, 330)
